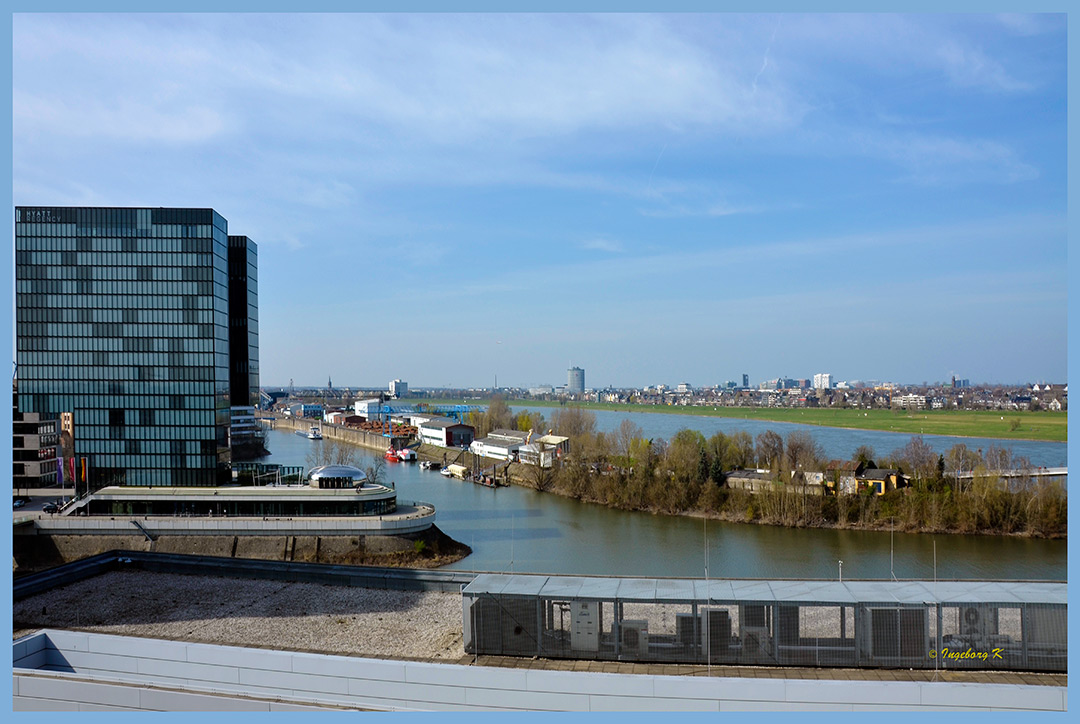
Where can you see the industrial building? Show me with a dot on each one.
(446, 432)
(127, 319)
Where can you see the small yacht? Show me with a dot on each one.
(314, 433)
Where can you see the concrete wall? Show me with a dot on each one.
(91, 667)
(408, 519)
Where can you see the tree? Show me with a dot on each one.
(331, 452)
(573, 422)
(803, 452)
(919, 458)
(739, 452)
(770, 450)
(864, 454)
(625, 436)
(499, 414)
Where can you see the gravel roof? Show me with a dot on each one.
(241, 612)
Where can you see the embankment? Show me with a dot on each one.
(428, 549)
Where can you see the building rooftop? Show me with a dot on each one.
(675, 590)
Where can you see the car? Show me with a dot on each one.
(50, 508)
(19, 502)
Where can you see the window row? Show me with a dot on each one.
(46, 374)
(103, 231)
(83, 272)
(155, 301)
(186, 425)
(87, 286)
(158, 363)
(192, 462)
(132, 316)
(219, 330)
(117, 344)
(201, 259)
(81, 387)
(151, 447)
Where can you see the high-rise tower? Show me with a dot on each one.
(123, 319)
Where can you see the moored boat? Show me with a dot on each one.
(392, 455)
(314, 433)
(406, 455)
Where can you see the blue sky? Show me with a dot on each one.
(655, 198)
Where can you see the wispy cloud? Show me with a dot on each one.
(608, 245)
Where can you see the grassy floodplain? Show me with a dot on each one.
(1043, 426)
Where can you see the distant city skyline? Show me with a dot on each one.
(446, 199)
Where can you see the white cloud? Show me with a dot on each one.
(967, 66)
(608, 245)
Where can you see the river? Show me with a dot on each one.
(521, 530)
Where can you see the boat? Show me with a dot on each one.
(392, 455)
(406, 455)
(314, 433)
(445, 472)
(426, 464)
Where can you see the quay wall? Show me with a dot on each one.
(338, 432)
(441, 455)
(37, 553)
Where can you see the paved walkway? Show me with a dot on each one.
(623, 667)
(1025, 678)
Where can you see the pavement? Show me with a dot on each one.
(755, 672)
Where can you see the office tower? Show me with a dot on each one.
(123, 320)
(575, 381)
(745, 380)
(245, 435)
(822, 381)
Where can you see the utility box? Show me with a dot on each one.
(585, 626)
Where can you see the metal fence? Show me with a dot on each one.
(976, 625)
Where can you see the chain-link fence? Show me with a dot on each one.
(881, 631)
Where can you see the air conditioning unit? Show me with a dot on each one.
(756, 642)
(635, 636)
(897, 633)
(684, 629)
(715, 631)
(978, 621)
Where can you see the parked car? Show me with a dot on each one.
(50, 508)
(19, 502)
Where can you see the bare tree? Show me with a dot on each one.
(770, 449)
(803, 452)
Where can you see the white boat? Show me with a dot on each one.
(406, 455)
(426, 464)
(445, 472)
(314, 433)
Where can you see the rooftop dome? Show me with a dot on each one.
(337, 472)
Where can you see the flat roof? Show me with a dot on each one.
(689, 590)
(237, 492)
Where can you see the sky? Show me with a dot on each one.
(458, 199)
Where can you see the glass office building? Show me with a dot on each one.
(122, 319)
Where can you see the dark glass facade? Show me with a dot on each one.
(243, 321)
(122, 318)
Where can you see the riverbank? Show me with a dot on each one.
(980, 509)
